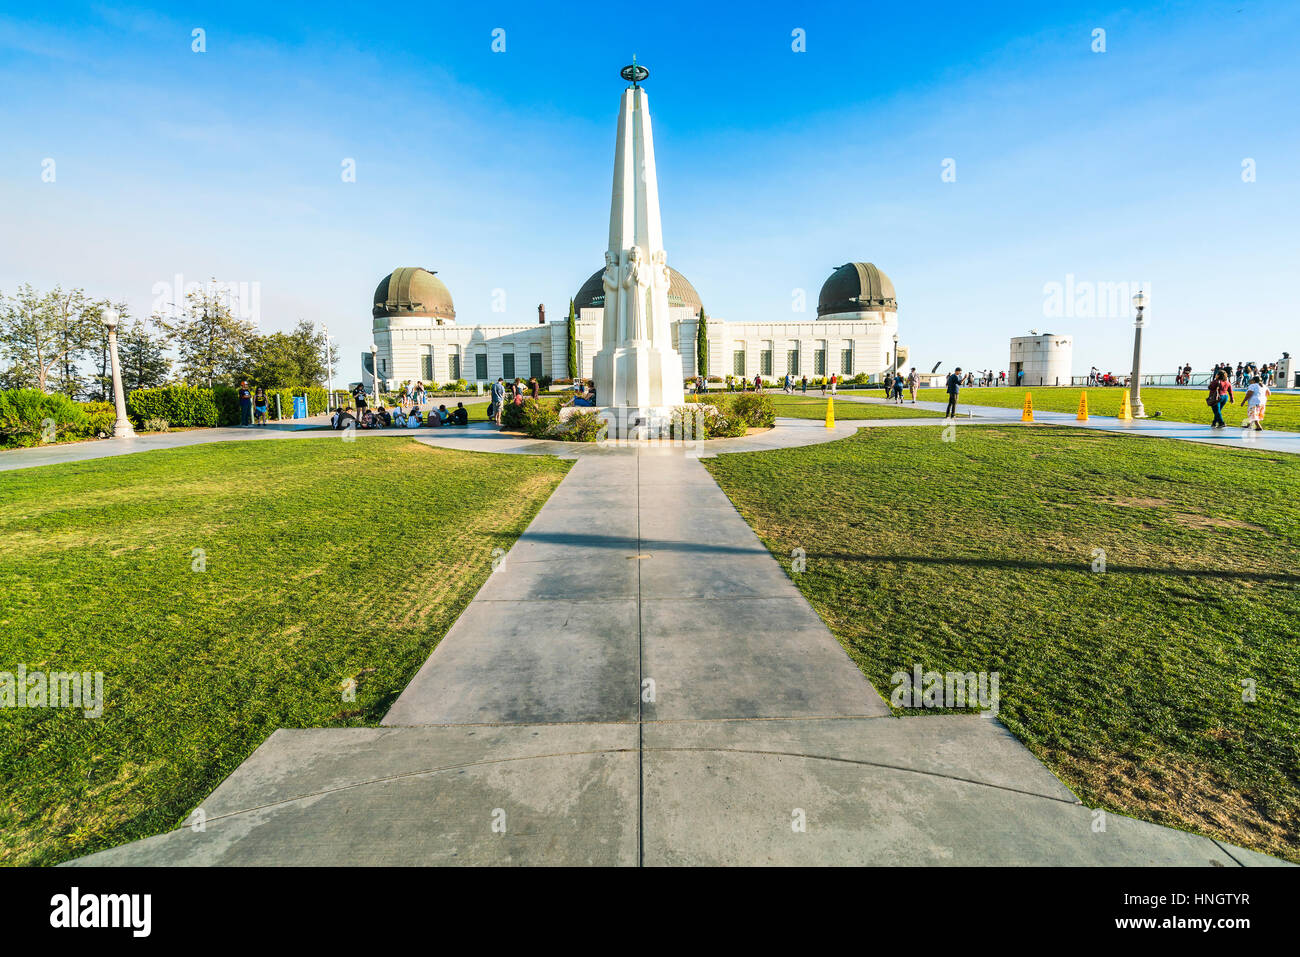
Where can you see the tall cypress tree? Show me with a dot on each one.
(573, 342)
(702, 345)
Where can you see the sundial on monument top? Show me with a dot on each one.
(634, 72)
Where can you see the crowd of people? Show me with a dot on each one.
(409, 413)
(1097, 377)
(1243, 375)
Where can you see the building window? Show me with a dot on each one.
(792, 361)
(453, 366)
(765, 362)
(383, 367)
(846, 362)
(738, 362)
(535, 365)
(480, 365)
(508, 365)
(426, 368)
(819, 362)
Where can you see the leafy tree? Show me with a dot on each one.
(702, 345)
(286, 359)
(141, 353)
(211, 340)
(45, 336)
(573, 342)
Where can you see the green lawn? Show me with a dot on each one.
(814, 407)
(975, 555)
(1179, 405)
(323, 560)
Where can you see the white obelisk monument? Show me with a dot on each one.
(638, 372)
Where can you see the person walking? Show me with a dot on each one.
(498, 400)
(1255, 400)
(758, 382)
(259, 406)
(804, 384)
(913, 383)
(954, 387)
(1219, 395)
(245, 406)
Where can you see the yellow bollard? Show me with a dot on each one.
(1083, 407)
(1125, 408)
(1028, 414)
(830, 412)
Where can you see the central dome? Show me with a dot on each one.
(412, 291)
(856, 287)
(680, 293)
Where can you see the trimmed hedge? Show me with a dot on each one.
(189, 406)
(30, 417)
(180, 405)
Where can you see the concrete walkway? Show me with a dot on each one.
(639, 682)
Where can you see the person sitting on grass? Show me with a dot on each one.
(383, 418)
(432, 419)
(414, 419)
(443, 415)
(460, 415)
(344, 418)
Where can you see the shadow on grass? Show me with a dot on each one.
(1016, 564)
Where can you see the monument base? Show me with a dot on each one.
(632, 423)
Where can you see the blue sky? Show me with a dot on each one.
(775, 166)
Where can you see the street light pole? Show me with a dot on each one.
(1135, 380)
(896, 355)
(122, 428)
(374, 370)
(329, 369)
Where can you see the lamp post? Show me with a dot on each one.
(329, 369)
(374, 370)
(1135, 382)
(122, 428)
(895, 355)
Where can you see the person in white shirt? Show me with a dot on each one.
(1255, 400)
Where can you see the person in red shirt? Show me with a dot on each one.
(1220, 394)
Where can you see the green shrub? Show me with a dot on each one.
(101, 417)
(585, 426)
(156, 425)
(539, 417)
(30, 417)
(184, 406)
(756, 411)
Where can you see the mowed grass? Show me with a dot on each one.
(1178, 405)
(814, 407)
(321, 560)
(976, 555)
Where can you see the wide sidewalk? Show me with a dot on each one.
(640, 682)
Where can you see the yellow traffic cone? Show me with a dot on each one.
(1028, 414)
(1125, 408)
(1083, 407)
(830, 413)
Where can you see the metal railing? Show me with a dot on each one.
(1172, 379)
